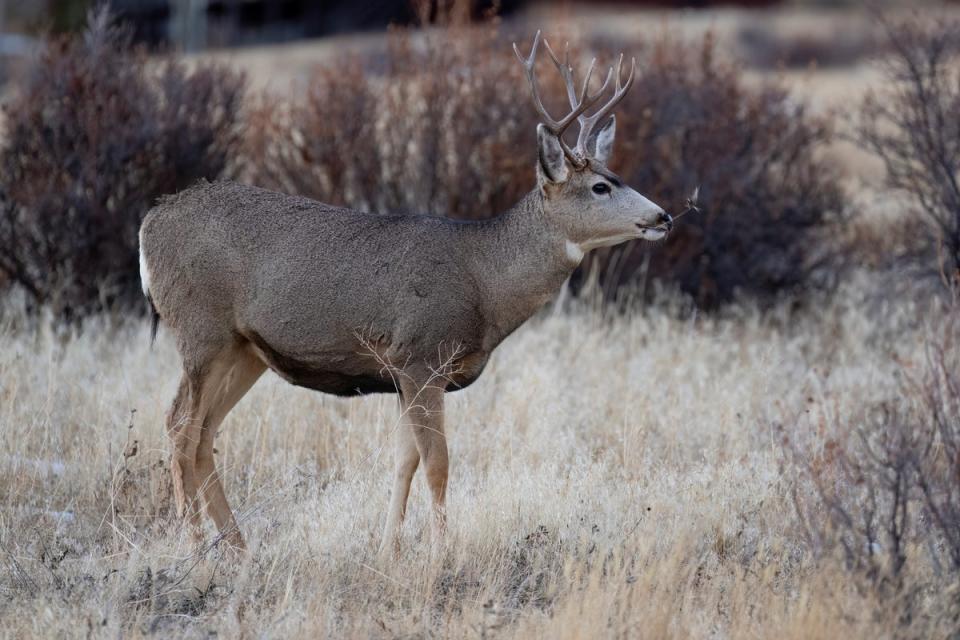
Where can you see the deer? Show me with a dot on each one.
(248, 279)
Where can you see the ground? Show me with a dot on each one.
(614, 475)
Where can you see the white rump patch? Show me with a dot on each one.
(144, 272)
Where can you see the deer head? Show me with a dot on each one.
(581, 195)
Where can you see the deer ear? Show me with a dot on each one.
(552, 164)
(602, 142)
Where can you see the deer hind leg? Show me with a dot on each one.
(205, 395)
(424, 411)
(234, 374)
(183, 427)
(406, 461)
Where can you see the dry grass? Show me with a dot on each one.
(647, 498)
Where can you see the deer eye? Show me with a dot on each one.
(601, 188)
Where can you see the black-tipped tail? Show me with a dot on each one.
(154, 321)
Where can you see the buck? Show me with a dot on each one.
(347, 302)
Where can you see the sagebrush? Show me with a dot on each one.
(95, 132)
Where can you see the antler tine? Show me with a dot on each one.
(579, 106)
(528, 63)
(587, 123)
(566, 72)
(584, 97)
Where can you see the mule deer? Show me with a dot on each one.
(249, 280)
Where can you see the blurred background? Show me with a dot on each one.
(796, 119)
(198, 24)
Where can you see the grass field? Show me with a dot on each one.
(612, 476)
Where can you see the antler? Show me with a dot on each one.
(578, 102)
(587, 123)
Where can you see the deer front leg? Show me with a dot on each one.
(407, 459)
(425, 414)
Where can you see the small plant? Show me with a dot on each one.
(95, 132)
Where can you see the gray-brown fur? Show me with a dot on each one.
(312, 285)
(347, 302)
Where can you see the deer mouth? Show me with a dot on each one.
(657, 232)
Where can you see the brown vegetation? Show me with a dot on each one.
(878, 490)
(441, 129)
(768, 204)
(95, 133)
(913, 125)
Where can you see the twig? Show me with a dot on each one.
(690, 204)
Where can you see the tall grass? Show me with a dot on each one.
(654, 497)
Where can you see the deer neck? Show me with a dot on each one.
(520, 263)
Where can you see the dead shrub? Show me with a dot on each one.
(95, 133)
(883, 491)
(444, 126)
(913, 124)
(435, 131)
(768, 204)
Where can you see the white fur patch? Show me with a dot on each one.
(574, 252)
(653, 234)
(144, 271)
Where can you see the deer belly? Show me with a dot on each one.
(466, 370)
(339, 384)
(337, 374)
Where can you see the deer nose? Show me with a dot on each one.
(666, 220)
